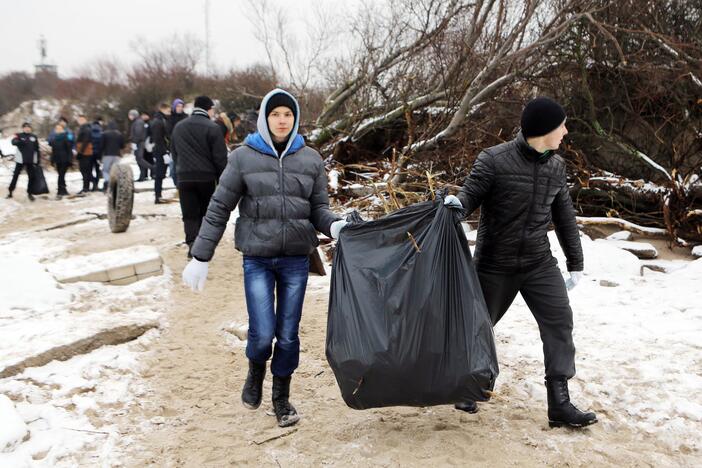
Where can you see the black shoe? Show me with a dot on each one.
(467, 406)
(285, 413)
(30, 196)
(252, 393)
(561, 412)
(160, 201)
(59, 196)
(9, 195)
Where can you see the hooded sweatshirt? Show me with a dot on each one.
(282, 196)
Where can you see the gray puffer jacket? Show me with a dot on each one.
(282, 198)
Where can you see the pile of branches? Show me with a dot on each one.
(434, 81)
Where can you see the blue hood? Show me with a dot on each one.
(262, 142)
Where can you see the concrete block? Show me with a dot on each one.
(148, 266)
(124, 281)
(97, 276)
(121, 272)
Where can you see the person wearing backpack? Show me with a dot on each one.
(84, 149)
(280, 187)
(96, 137)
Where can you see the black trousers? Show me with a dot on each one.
(29, 167)
(543, 289)
(95, 164)
(194, 198)
(61, 169)
(85, 163)
(159, 174)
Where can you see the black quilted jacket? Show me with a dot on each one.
(520, 192)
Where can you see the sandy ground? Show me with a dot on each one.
(192, 416)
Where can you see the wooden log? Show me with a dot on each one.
(655, 233)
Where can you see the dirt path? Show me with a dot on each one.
(193, 415)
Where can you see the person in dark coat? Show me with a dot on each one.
(197, 147)
(520, 187)
(137, 135)
(159, 137)
(177, 114)
(84, 148)
(61, 157)
(28, 150)
(280, 187)
(112, 146)
(96, 158)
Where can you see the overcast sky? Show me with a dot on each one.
(77, 31)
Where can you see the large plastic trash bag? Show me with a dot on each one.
(408, 325)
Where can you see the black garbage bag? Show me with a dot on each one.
(408, 325)
(38, 184)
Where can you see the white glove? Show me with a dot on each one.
(575, 277)
(167, 159)
(452, 201)
(195, 274)
(336, 228)
(134, 147)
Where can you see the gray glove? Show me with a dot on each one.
(575, 277)
(452, 201)
(336, 228)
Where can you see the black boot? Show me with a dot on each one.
(285, 413)
(561, 412)
(30, 196)
(253, 387)
(467, 406)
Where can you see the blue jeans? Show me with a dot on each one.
(264, 279)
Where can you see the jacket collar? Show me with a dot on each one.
(264, 133)
(200, 112)
(530, 153)
(257, 142)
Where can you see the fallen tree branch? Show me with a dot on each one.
(655, 233)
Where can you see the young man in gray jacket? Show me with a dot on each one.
(520, 187)
(280, 186)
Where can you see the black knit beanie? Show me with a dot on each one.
(280, 99)
(541, 116)
(204, 103)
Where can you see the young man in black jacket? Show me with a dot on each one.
(84, 148)
(28, 146)
(159, 135)
(61, 157)
(521, 188)
(112, 145)
(200, 156)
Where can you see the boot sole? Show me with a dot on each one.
(565, 424)
(250, 406)
(290, 421)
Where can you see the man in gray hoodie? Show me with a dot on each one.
(280, 186)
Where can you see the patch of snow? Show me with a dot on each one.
(620, 235)
(13, 429)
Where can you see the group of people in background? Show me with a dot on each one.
(96, 147)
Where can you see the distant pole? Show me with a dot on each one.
(207, 36)
(42, 49)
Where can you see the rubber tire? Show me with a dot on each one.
(120, 197)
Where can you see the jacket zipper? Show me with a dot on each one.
(526, 222)
(282, 195)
